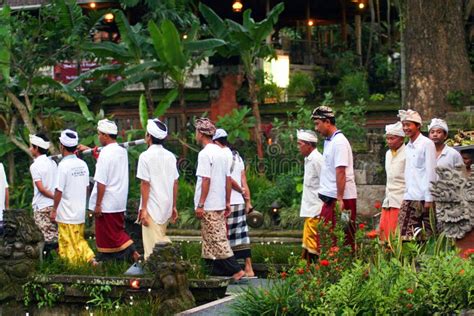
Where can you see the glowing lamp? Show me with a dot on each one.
(135, 284)
(361, 5)
(310, 22)
(185, 36)
(237, 6)
(109, 17)
(92, 5)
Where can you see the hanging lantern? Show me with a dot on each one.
(237, 6)
(109, 17)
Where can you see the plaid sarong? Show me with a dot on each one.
(238, 231)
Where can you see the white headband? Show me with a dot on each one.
(395, 129)
(219, 133)
(307, 136)
(155, 131)
(69, 141)
(438, 123)
(107, 127)
(38, 141)
(409, 115)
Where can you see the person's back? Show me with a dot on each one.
(45, 170)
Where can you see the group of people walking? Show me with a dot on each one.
(222, 196)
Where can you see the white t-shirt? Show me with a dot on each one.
(3, 187)
(45, 170)
(236, 166)
(158, 167)
(337, 153)
(112, 171)
(449, 158)
(73, 180)
(310, 202)
(213, 164)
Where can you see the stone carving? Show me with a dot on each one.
(20, 251)
(169, 271)
(454, 197)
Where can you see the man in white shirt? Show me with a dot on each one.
(446, 156)
(395, 188)
(414, 216)
(212, 203)
(158, 173)
(4, 196)
(311, 204)
(237, 232)
(337, 181)
(44, 174)
(109, 197)
(69, 209)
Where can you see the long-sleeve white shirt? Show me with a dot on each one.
(395, 169)
(419, 169)
(310, 202)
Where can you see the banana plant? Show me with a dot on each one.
(247, 40)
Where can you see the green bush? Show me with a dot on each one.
(354, 86)
(300, 84)
(351, 120)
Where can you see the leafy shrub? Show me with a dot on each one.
(237, 124)
(345, 63)
(351, 120)
(354, 86)
(300, 84)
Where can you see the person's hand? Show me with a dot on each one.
(52, 216)
(144, 217)
(248, 207)
(199, 212)
(227, 211)
(98, 211)
(174, 215)
(428, 205)
(340, 202)
(81, 147)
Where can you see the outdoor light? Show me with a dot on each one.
(237, 6)
(109, 17)
(361, 5)
(135, 284)
(278, 70)
(185, 36)
(310, 22)
(255, 219)
(275, 207)
(92, 5)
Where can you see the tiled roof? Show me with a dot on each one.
(18, 3)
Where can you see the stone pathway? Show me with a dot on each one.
(221, 307)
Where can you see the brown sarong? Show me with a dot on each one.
(414, 221)
(48, 228)
(214, 236)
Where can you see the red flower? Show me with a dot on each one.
(462, 272)
(466, 253)
(377, 204)
(300, 271)
(409, 306)
(361, 226)
(410, 291)
(372, 234)
(324, 262)
(334, 249)
(283, 275)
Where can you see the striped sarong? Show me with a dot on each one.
(238, 232)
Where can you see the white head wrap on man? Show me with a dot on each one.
(219, 134)
(410, 115)
(395, 129)
(153, 129)
(307, 136)
(70, 140)
(438, 123)
(38, 141)
(107, 127)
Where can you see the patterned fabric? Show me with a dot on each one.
(152, 234)
(44, 223)
(205, 126)
(413, 218)
(388, 223)
(310, 233)
(110, 233)
(238, 231)
(214, 236)
(72, 245)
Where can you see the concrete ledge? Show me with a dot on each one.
(212, 308)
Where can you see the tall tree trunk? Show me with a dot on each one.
(389, 25)
(256, 113)
(149, 97)
(183, 118)
(436, 55)
(11, 168)
(371, 33)
(343, 22)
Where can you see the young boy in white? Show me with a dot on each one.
(159, 187)
(69, 209)
(3, 195)
(44, 174)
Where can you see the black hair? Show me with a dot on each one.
(331, 120)
(312, 144)
(223, 141)
(113, 136)
(42, 151)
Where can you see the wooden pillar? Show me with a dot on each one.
(343, 22)
(358, 36)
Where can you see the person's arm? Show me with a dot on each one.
(100, 197)
(57, 198)
(430, 163)
(341, 185)
(228, 192)
(42, 190)
(174, 214)
(205, 185)
(145, 192)
(245, 186)
(235, 186)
